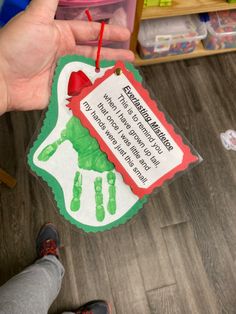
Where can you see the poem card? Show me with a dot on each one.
(131, 130)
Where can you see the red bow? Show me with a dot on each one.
(78, 81)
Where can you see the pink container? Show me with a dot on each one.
(116, 12)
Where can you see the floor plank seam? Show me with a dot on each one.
(168, 253)
(140, 270)
(176, 224)
(109, 278)
(162, 287)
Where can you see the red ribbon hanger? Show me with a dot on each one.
(79, 80)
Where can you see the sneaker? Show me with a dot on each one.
(94, 307)
(48, 241)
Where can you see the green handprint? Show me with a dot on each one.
(90, 157)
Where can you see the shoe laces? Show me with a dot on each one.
(49, 247)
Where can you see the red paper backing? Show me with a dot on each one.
(188, 157)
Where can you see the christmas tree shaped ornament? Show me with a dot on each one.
(105, 145)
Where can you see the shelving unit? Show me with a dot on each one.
(179, 7)
(183, 7)
(199, 52)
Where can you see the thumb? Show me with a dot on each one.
(46, 8)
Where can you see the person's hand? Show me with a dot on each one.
(30, 45)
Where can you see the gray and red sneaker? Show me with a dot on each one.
(48, 241)
(94, 307)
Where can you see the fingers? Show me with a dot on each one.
(45, 8)
(106, 53)
(83, 31)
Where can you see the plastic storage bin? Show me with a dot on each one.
(221, 30)
(116, 12)
(170, 36)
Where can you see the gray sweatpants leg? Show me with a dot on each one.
(34, 289)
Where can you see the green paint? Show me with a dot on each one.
(77, 191)
(49, 150)
(90, 157)
(100, 212)
(49, 124)
(111, 206)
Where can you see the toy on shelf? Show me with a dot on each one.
(170, 36)
(221, 29)
(161, 3)
(151, 3)
(165, 3)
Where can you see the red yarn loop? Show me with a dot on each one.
(99, 41)
(88, 15)
(100, 46)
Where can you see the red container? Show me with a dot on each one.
(114, 12)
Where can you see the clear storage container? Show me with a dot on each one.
(170, 36)
(116, 12)
(221, 30)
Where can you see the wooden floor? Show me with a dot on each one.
(178, 255)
